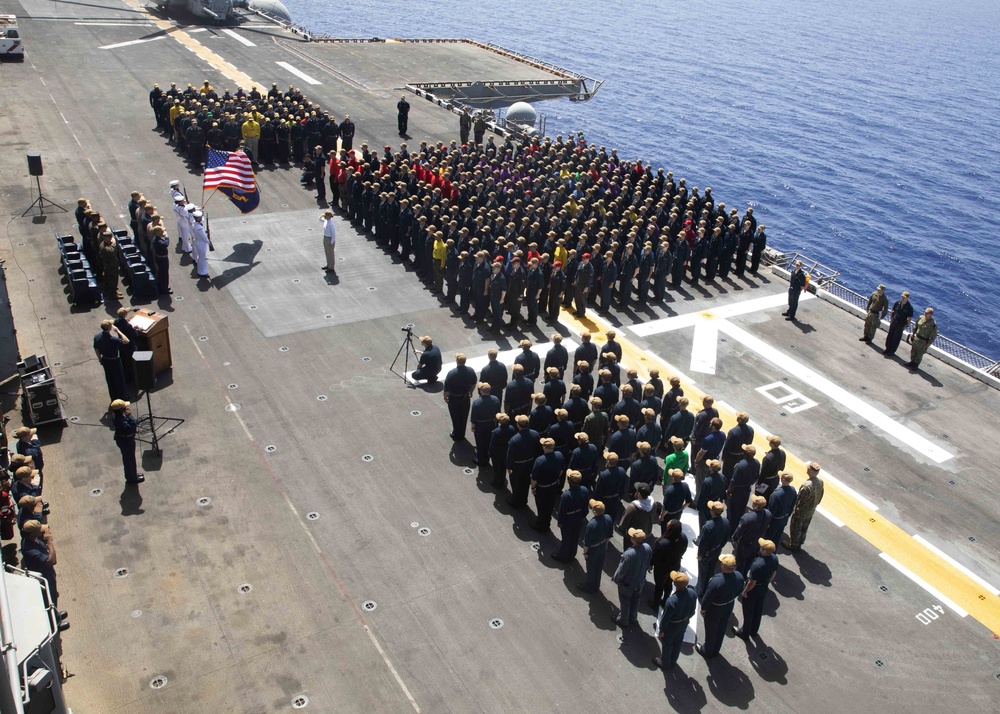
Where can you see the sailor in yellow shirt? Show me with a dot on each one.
(175, 112)
(560, 253)
(440, 255)
(251, 135)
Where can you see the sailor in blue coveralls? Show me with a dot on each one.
(717, 605)
(674, 619)
(759, 579)
(483, 416)
(459, 384)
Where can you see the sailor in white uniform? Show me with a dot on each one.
(183, 223)
(175, 191)
(200, 244)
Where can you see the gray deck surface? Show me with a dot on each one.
(302, 628)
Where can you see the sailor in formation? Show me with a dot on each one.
(201, 243)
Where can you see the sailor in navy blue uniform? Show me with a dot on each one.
(758, 581)
(751, 528)
(125, 426)
(780, 505)
(744, 477)
(584, 459)
(717, 604)
(713, 537)
(459, 385)
(673, 620)
(795, 287)
(499, 440)
(586, 352)
(554, 388)
(570, 515)
(557, 356)
(596, 537)
(611, 485)
(483, 416)
(531, 363)
(494, 374)
(546, 473)
(522, 450)
(517, 396)
(428, 361)
(713, 488)
(562, 432)
(108, 344)
(623, 441)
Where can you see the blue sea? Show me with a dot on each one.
(865, 134)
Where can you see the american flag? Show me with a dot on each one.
(228, 168)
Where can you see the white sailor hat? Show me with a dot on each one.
(179, 198)
(174, 184)
(190, 208)
(198, 214)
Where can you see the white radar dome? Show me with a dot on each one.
(522, 113)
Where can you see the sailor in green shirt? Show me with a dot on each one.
(676, 460)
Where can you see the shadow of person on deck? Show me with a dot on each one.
(815, 571)
(729, 685)
(684, 693)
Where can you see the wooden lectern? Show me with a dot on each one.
(154, 335)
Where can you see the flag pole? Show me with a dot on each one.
(214, 191)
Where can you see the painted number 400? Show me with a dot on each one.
(930, 614)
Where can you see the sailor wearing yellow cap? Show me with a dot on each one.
(673, 620)
(717, 605)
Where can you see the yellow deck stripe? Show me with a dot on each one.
(888, 538)
(226, 68)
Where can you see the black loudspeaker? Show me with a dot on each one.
(144, 377)
(35, 165)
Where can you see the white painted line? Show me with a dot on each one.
(198, 29)
(926, 586)
(704, 346)
(131, 42)
(829, 516)
(298, 73)
(790, 366)
(654, 327)
(239, 38)
(849, 491)
(113, 24)
(954, 563)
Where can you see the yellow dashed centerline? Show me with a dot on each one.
(963, 591)
(224, 67)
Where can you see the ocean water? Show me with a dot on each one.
(865, 134)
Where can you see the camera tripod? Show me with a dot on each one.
(404, 349)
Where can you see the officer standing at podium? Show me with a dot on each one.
(125, 329)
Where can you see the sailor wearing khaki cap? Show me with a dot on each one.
(711, 540)
(125, 426)
(717, 605)
(570, 515)
(631, 577)
(595, 546)
(759, 578)
(673, 620)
